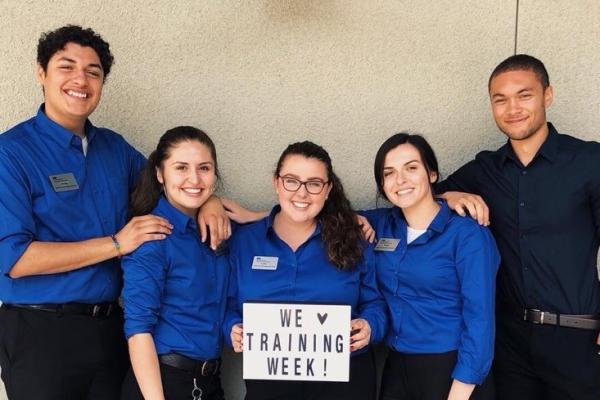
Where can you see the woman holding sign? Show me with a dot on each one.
(174, 289)
(437, 273)
(308, 250)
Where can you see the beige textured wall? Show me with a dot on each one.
(257, 75)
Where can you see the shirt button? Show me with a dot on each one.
(522, 204)
(524, 172)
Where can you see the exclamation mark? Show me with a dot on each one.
(325, 367)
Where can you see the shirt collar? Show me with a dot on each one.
(271, 219)
(178, 219)
(60, 134)
(437, 225)
(548, 150)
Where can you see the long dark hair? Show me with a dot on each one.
(148, 189)
(340, 231)
(418, 142)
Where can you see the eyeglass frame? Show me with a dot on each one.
(325, 183)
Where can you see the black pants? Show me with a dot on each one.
(177, 385)
(45, 355)
(545, 362)
(424, 377)
(362, 385)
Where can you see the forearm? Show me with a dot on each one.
(460, 390)
(43, 258)
(144, 362)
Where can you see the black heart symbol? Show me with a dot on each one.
(322, 318)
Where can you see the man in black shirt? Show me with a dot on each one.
(543, 193)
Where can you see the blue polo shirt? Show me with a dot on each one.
(50, 191)
(303, 276)
(175, 289)
(440, 289)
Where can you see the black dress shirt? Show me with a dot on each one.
(546, 221)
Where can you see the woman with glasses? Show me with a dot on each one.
(320, 258)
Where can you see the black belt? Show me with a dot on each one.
(580, 321)
(92, 310)
(198, 367)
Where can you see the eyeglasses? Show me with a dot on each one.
(314, 186)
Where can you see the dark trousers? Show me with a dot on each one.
(362, 385)
(46, 355)
(424, 377)
(545, 362)
(177, 385)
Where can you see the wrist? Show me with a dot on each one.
(116, 245)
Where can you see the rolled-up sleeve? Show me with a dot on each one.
(477, 264)
(17, 225)
(144, 273)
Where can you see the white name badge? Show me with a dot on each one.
(387, 244)
(263, 262)
(63, 182)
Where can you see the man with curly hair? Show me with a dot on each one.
(65, 186)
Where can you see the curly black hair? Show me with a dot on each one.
(53, 41)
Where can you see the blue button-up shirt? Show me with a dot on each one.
(440, 289)
(303, 276)
(31, 209)
(176, 290)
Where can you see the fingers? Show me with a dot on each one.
(360, 334)
(142, 229)
(462, 203)
(367, 230)
(237, 335)
(203, 230)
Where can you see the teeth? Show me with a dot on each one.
(77, 94)
(405, 191)
(299, 205)
(192, 191)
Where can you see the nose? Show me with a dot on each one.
(80, 76)
(302, 192)
(194, 177)
(513, 105)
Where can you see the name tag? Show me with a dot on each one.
(387, 244)
(262, 262)
(64, 182)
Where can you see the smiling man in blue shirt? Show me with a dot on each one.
(65, 188)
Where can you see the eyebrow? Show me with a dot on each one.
(70, 60)
(314, 178)
(186, 163)
(406, 163)
(519, 92)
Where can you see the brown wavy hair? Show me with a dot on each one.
(341, 233)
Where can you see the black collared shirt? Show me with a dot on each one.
(546, 221)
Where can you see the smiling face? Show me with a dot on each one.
(72, 85)
(188, 176)
(406, 182)
(519, 104)
(301, 206)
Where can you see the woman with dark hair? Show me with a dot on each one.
(174, 289)
(315, 238)
(437, 273)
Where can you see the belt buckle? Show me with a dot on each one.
(209, 368)
(95, 310)
(534, 312)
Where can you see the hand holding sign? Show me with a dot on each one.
(237, 337)
(361, 334)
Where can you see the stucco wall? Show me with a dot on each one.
(259, 74)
